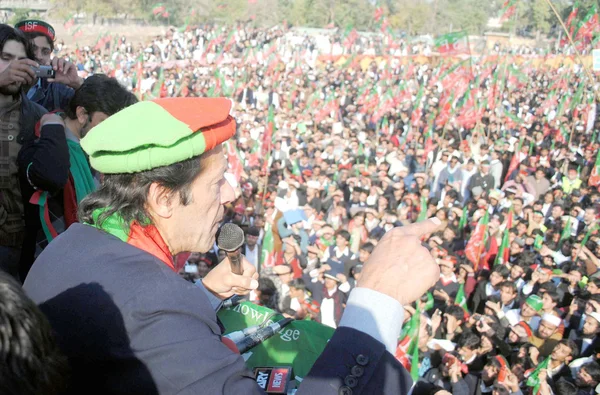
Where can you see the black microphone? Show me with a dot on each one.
(233, 301)
(230, 240)
(261, 335)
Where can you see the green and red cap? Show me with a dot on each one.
(37, 26)
(158, 133)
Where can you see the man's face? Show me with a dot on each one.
(516, 333)
(546, 330)
(589, 215)
(12, 50)
(590, 327)
(194, 226)
(465, 353)
(547, 301)
(515, 248)
(42, 50)
(584, 379)
(495, 279)
(527, 311)
(251, 240)
(561, 353)
(96, 118)
(489, 373)
(557, 212)
(516, 272)
(517, 205)
(341, 242)
(363, 255)
(539, 175)
(506, 295)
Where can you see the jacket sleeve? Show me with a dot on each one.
(195, 361)
(45, 162)
(357, 362)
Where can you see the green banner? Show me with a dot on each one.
(297, 345)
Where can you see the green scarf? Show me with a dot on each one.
(80, 171)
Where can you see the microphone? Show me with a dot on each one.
(233, 301)
(230, 240)
(252, 340)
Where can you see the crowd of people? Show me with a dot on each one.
(333, 149)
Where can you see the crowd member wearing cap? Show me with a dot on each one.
(446, 288)
(42, 163)
(20, 117)
(156, 202)
(50, 93)
(528, 313)
(587, 338)
(547, 334)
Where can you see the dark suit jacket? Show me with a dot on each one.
(131, 325)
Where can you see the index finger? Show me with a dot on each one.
(419, 229)
(28, 62)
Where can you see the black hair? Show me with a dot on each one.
(508, 284)
(593, 369)
(30, 360)
(501, 270)
(100, 93)
(369, 247)
(468, 340)
(572, 346)
(456, 311)
(553, 295)
(9, 33)
(563, 387)
(127, 193)
(297, 283)
(33, 35)
(344, 233)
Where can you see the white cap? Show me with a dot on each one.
(595, 316)
(552, 319)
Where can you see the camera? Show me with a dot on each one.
(44, 72)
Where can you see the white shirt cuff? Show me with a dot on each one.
(378, 315)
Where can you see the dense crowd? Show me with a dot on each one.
(335, 147)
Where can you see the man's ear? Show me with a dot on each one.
(82, 115)
(160, 201)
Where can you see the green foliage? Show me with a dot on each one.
(19, 15)
(533, 17)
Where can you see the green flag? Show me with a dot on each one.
(566, 233)
(296, 168)
(504, 251)
(429, 304)
(298, 345)
(463, 219)
(451, 42)
(423, 213)
(533, 380)
(461, 299)
(268, 248)
(538, 242)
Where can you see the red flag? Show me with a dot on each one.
(514, 162)
(477, 240)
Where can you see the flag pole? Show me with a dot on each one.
(577, 53)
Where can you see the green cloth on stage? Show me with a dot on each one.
(297, 345)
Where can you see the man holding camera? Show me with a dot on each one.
(56, 92)
(18, 117)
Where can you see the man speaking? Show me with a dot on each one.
(127, 321)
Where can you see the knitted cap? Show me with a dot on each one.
(535, 302)
(157, 133)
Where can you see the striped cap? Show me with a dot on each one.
(157, 133)
(37, 26)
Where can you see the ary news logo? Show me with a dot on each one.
(273, 380)
(286, 335)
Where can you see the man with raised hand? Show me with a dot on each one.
(131, 325)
